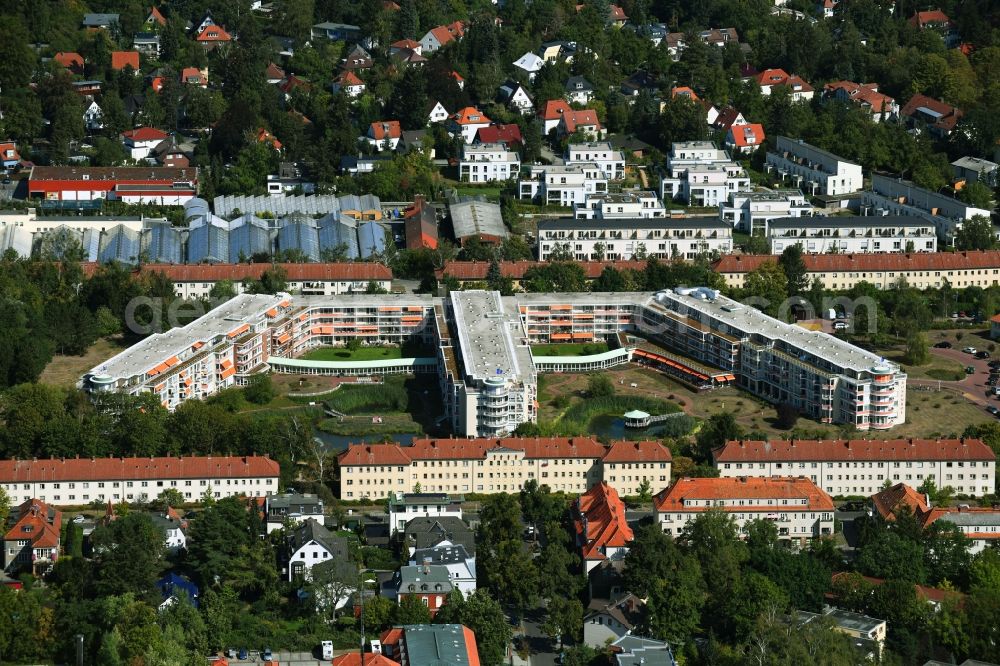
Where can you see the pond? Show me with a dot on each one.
(340, 442)
(613, 426)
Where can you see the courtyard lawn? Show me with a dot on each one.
(570, 349)
(360, 354)
(941, 368)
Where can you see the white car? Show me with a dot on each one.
(969, 350)
(840, 326)
(79, 519)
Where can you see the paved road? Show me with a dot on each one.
(542, 649)
(547, 153)
(973, 387)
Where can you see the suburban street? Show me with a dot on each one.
(542, 649)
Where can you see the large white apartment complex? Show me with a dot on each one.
(863, 466)
(814, 169)
(482, 351)
(799, 509)
(852, 234)
(562, 185)
(607, 159)
(700, 174)
(751, 211)
(894, 196)
(485, 465)
(78, 481)
(617, 239)
(928, 270)
(629, 204)
(487, 162)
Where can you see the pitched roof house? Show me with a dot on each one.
(865, 95)
(383, 134)
(467, 121)
(437, 37)
(602, 532)
(310, 544)
(745, 138)
(551, 114)
(584, 121)
(939, 118)
(799, 89)
(70, 60)
(349, 83)
(213, 36)
(154, 19)
(509, 135)
(122, 59)
(516, 96)
(195, 77)
(32, 543)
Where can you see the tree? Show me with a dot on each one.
(917, 352)
(222, 290)
(331, 584)
(984, 572)
(259, 390)
(484, 616)
(754, 595)
(712, 539)
(564, 619)
(411, 610)
(600, 386)
(130, 554)
(766, 287)
(794, 267)
(675, 601)
(976, 194)
(645, 491)
(975, 234)
(946, 553)
(4, 506)
(890, 555)
(716, 431)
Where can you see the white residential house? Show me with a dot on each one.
(140, 142)
(750, 211)
(852, 234)
(291, 509)
(562, 185)
(515, 96)
(460, 565)
(437, 114)
(625, 239)
(93, 118)
(814, 169)
(404, 507)
(530, 63)
(172, 527)
(700, 174)
(310, 544)
(578, 90)
(349, 83)
(609, 160)
(634, 204)
(607, 620)
(437, 37)
(487, 162)
(467, 122)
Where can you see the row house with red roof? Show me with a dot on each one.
(981, 525)
(863, 466)
(32, 542)
(602, 531)
(484, 465)
(800, 509)
(76, 481)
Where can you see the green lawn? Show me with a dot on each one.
(360, 354)
(570, 349)
(939, 367)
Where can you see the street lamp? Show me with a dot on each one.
(361, 651)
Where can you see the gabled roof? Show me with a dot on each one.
(741, 135)
(509, 134)
(470, 115)
(477, 270)
(104, 469)
(946, 115)
(675, 498)
(779, 77)
(311, 530)
(890, 500)
(627, 452)
(69, 59)
(627, 610)
(354, 659)
(601, 523)
(384, 129)
(578, 84)
(930, 17)
(853, 450)
(145, 134)
(155, 16)
(427, 532)
(871, 262)
(684, 91)
(586, 117)
(446, 33)
(274, 72)
(405, 44)
(529, 62)
(36, 522)
(193, 73)
(214, 33)
(348, 78)
(122, 59)
(554, 109)
(726, 118)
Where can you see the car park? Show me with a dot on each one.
(944, 344)
(244, 654)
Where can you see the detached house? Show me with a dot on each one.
(122, 59)
(147, 43)
(865, 95)
(466, 122)
(441, 35)
(154, 20)
(437, 113)
(602, 532)
(140, 142)
(584, 122)
(93, 118)
(430, 583)
(578, 90)
(530, 63)
(937, 117)
(213, 36)
(349, 83)
(551, 114)
(310, 544)
(515, 96)
(9, 155)
(70, 60)
(938, 21)
(384, 134)
(193, 76)
(799, 89)
(358, 59)
(743, 139)
(32, 543)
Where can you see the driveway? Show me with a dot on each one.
(973, 387)
(547, 153)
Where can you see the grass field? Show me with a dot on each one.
(360, 354)
(942, 368)
(570, 349)
(66, 370)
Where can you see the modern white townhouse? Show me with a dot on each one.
(813, 169)
(636, 238)
(78, 481)
(628, 204)
(487, 162)
(797, 506)
(699, 174)
(863, 466)
(607, 159)
(750, 212)
(895, 196)
(561, 185)
(404, 507)
(852, 234)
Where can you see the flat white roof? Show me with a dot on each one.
(485, 338)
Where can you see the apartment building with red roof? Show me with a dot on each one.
(32, 542)
(486, 465)
(122, 59)
(76, 481)
(470, 272)
(863, 466)
(799, 508)
(602, 532)
(839, 272)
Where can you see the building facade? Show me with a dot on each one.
(79, 481)
(814, 169)
(404, 507)
(751, 211)
(487, 162)
(454, 466)
(610, 161)
(862, 467)
(699, 174)
(559, 185)
(837, 234)
(797, 506)
(894, 196)
(630, 239)
(602, 531)
(628, 204)
(166, 186)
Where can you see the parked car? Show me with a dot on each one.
(244, 654)
(840, 326)
(992, 409)
(969, 370)
(266, 655)
(982, 354)
(969, 350)
(79, 519)
(944, 344)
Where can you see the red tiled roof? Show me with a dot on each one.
(746, 488)
(189, 73)
(554, 109)
(626, 452)
(214, 33)
(385, 129)
(405, 44)
(349, 78)
(34, 524)
(726, 118)
(122, 59)
(834, 263)
(948, 114)
(69, 60)
(476, 448)
(617, 13)
(354, 659)
(572, 119)
(740, 134)
(855, 449)
(264, 136)
(890, 500)
(145, 134)
(684, 91)
(509, 134)
(470, 115)
(373, 454)
(779, 77)
(601, 521)
(295, 272)
(274, 72)
(155, 14)
(99, 469)
(445, 33)
(476, 270)
(392, 636)
(930, 515)
(931, 17)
